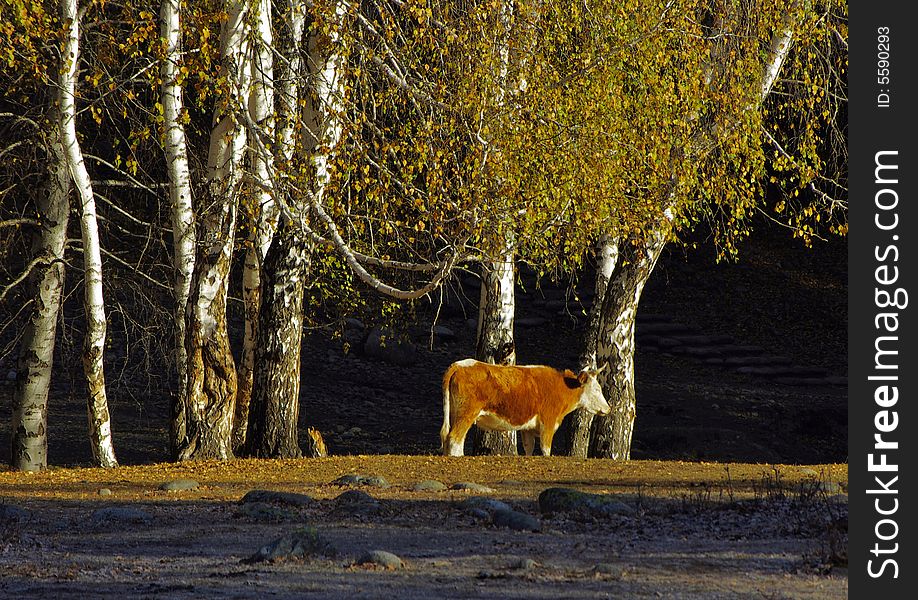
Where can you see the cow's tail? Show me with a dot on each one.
(444, 430)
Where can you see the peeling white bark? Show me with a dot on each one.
(180, 198)
(261, 135)
(29, 444)
(94, 342)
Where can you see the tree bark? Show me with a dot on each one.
(273, 418)
(494, 340)
(180, 198)
(263, 209)
(211, 369)
(612, 434)
(578, 431)
(273, 421)
(29, 440)
(100, 427)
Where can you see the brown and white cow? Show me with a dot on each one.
(529, 399)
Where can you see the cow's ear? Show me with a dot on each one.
(584, 377)
(571, 380)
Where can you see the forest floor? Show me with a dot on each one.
(737, 490)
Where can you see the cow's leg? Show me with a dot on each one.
(455, 441)
(528, 436)
(546, 434)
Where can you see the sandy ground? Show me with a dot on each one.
(698, 530)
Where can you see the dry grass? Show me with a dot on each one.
(510, 476)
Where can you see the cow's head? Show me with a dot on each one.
(591, 398)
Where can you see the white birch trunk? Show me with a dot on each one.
(100, 428)
(496, 308)
(494, 339)
(273, 427)
(211, 369)
(264, 209)
(29, 447)
(180, 199)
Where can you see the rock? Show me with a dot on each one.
(273, 497)
(444, 334)
(516, 520)
(571, 500)
(120, 515)
(525, 564)
(471, 487)
(358, 480)
(104, 492)
(609, 570)
(356, 502)
(381, 558)
(489, 505)
(429, 485)
(388, 346)
(481, 515)
(262, 511)
(298, 544)
(179, 485)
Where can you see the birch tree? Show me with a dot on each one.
(100, 429)
(725, 144)
(273, 423)
(29, 448)
(211, 378)
(180, 197)
(263, 209)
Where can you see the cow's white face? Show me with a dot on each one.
(592, 398)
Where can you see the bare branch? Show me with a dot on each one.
(38, 260)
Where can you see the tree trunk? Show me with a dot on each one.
(273, 417)
(263, 209)
(578, 431)
(29, 439)
(211, 369)
(176, 150)
(612, 434)
(494, 340)
(276, 392)
(100, 427)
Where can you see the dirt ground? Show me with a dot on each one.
(738, 490)
(698, 530)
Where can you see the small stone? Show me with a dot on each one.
(356, 480)
(179, 485)
(480, 514)
(571, 500)
(429, 485)
(516, 520)
(347, 480)
(525, 564)
(105, 492)
(488, 505)
(273, 497)
(261, 511)
(609, 570)
(468, 486)
(300, 543)
(381, 558)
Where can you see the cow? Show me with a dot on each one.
(528, 399)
